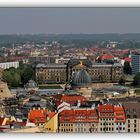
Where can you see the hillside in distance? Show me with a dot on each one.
(38, 38)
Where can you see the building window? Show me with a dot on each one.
(135, 121)
(134, 125)
(128, 116)
(128, 125)
(128, 130)
(128, 121)
(135, 130)
(135, 116)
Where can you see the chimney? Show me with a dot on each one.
(93, 106)
(78, 103)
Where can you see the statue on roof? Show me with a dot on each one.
(81, 63)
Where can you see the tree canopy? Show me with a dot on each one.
(136, 81)
(18, 77)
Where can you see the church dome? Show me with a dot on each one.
(31, 84)
(81, 79)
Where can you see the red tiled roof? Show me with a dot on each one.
(106, 56)
(119, 114)
(37, 115)
(128, 59)
(106, 108)
(71, 99)
(73, 116)
(51, 114)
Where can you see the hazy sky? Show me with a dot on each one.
(69, 20)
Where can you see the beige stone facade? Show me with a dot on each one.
(4, 91)
(62, 73)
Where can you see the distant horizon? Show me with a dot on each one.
(68, 33)
(69, 20)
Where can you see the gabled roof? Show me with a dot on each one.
(106, 108)
(128, 59)
(78, 115)
(34, 114)
(105, 56)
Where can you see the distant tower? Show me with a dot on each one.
(130, 54)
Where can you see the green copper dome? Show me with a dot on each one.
(81, 79)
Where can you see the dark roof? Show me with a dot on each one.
(132, 109)
(35, 98)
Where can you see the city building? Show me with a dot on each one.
(51, 73)
(62, 73)
(78, 121)
(120, 119)
(42, 59)
(135, 63)
(62, 60)
(111, 118)
(132, 111)
(106, 118)
(7, 65)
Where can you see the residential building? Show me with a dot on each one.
(120, 119)
(7, 65)
(132, 111)
(106, 118)
(78, 121)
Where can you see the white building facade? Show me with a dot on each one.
(7, 65)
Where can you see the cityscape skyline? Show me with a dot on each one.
(69, 20)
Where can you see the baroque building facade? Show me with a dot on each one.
(63, 73)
